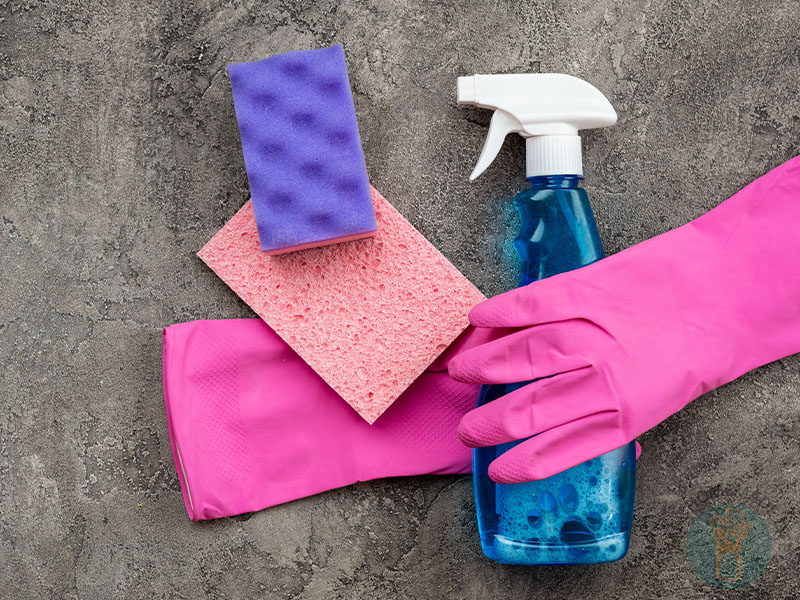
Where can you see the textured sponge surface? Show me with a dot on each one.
(368, 316)
(302, 150)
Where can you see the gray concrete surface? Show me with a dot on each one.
(120, 157)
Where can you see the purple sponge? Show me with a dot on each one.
(302, 150)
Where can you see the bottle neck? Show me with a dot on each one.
(557, 229)
(555, 181)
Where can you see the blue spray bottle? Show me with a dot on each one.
(584, 514)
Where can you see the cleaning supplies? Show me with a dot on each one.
(583, 514)
(252, 425)
(367, 316)
(302, 150)
(632, 339)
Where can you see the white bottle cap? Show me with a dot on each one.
(553, 155)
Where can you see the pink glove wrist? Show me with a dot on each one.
(251, 425)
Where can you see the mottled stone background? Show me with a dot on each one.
(120, 157)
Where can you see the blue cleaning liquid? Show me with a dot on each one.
(584, 514)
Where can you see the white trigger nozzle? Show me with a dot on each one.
(500, 126)
(549, 107)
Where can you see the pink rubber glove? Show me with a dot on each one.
(251, 425)
(630, 340)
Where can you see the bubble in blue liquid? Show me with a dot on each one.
(593, 519)
(534, 518)
(592, 480)
(602, 508)
(568, 496)
(574, 531)
(612, 548)
(547, 502)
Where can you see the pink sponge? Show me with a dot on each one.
(368, 316)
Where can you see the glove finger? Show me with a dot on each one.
(532, 409)
(558, 449)
(548, 300)
(535, 352)
(469, 338)
(638, 450)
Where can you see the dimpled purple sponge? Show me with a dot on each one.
(302, 151)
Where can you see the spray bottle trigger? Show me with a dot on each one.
(501, 125)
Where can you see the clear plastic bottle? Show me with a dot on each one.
(584, 514)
